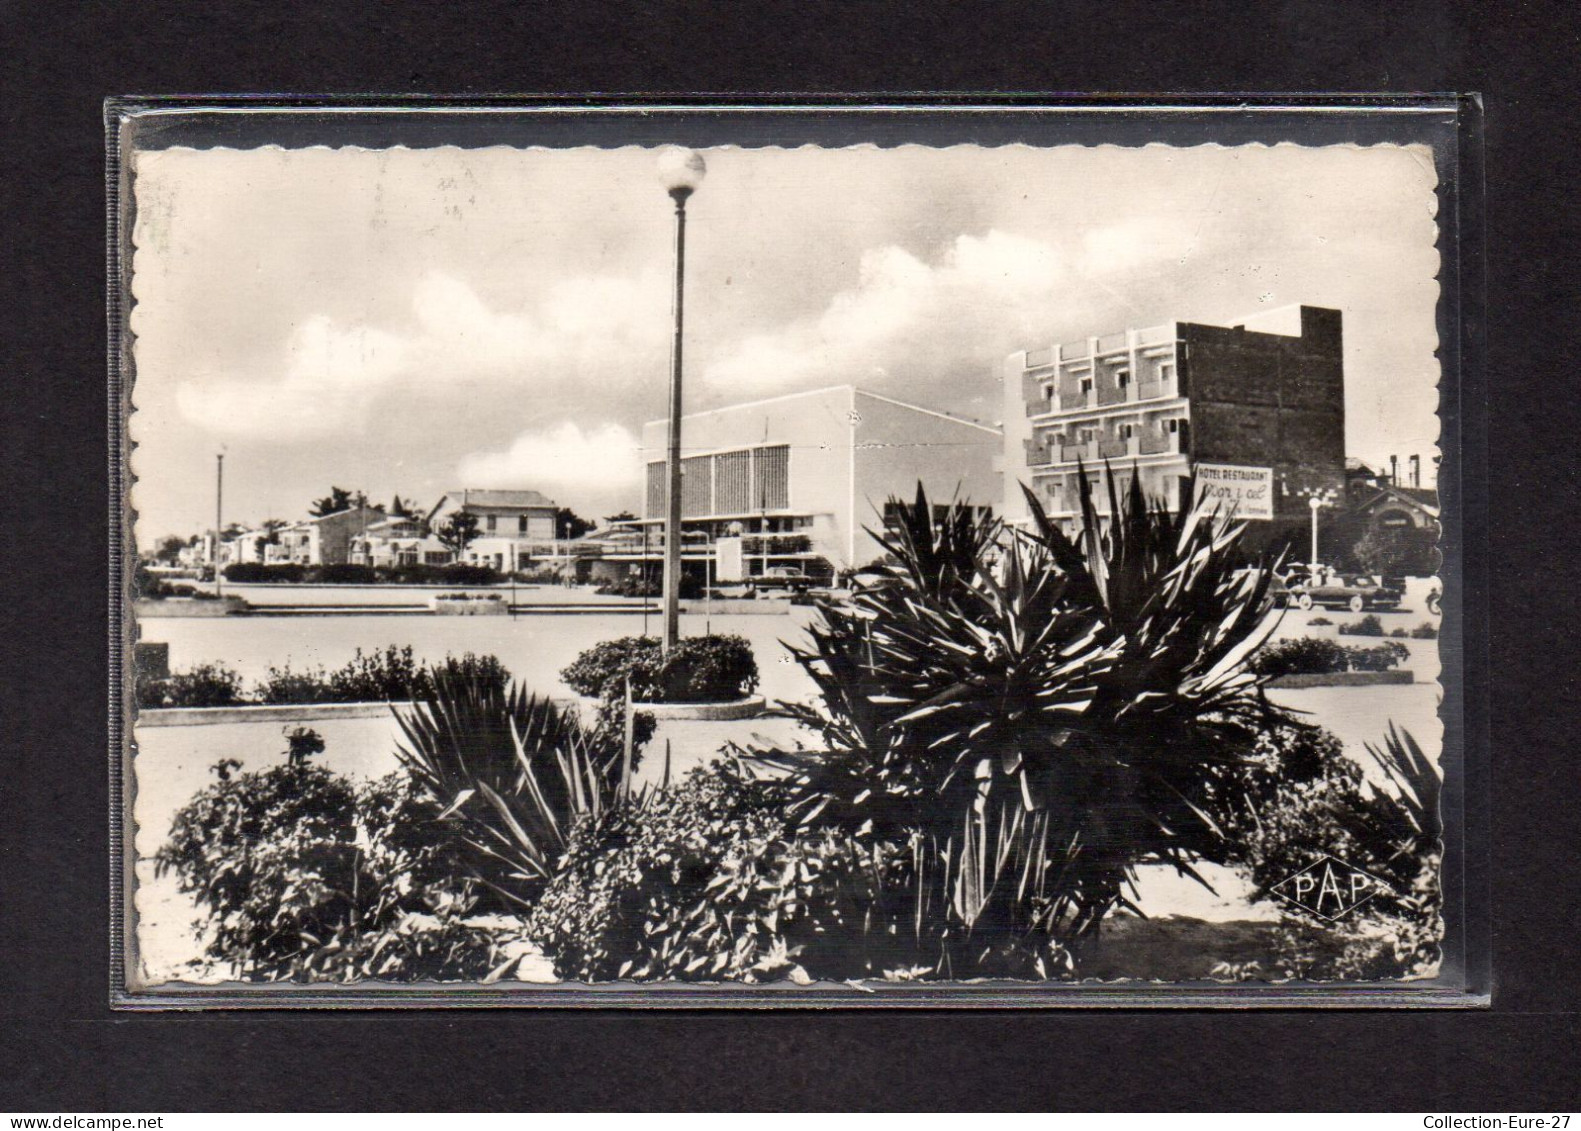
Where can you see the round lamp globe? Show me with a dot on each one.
(680, 170)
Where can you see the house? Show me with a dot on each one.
(396, 541)
(326, 539)
(514, 526)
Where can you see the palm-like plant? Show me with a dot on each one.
(513, 771)
(1033, 718)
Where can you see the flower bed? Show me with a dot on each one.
(469, 604)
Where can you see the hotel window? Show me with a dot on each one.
(521, 524)
(1172, 425)
(1127, 431)
(1048, 391)
(492, 522)
(1122, 377)
(1086, 385)
(1166, 371)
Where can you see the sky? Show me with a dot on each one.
(411, 321)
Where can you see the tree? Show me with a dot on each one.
(401, 508)
(623, 516)
(1399, 551)
(169, 548)
(336, 501)
(457, 531)
(569, 524)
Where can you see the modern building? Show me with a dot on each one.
(1256, 409)
(797, 481)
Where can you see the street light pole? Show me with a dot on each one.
(681, 171)
(219, 528)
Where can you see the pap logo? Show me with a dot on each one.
(1329, 888)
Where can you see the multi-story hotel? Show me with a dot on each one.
(1260, 403)
(798, 481)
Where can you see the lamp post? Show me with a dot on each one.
(1317, 500)
(680, 171)
(219, 529)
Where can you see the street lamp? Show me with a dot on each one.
(1317, 500)
(680, 171)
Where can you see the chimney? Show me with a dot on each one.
(1394, 471)
(1416, 471)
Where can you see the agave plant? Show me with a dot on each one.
(512, 770)
(1032, 716)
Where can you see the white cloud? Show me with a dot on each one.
(329, 373)
(334, 375)
(908, 317)
(596, 468)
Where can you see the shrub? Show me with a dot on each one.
(389, 676)
(995, 700)
(689, 589)
(1387, 655)
(1306, 655)
(1302, 799)
(149, 586)
(544, 576)
(706, 882)
(469, 596)
(207, 685)
(282, 685)
(304, 876)
(344, 573)
(699, 669)
(510, 771)
(248, 573)
(1319, 622)
(458, 573)
(1368, 625)
(1400, 634)
(1311, 655)
(1427, 630)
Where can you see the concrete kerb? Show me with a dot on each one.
(748, 708)
(1342, 679)
(272, 713)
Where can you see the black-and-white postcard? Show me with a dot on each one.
(565, 570)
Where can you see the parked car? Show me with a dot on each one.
(783, 577)
(1349, 591)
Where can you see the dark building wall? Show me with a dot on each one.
(1271, 400)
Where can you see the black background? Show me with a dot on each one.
(61, 1048)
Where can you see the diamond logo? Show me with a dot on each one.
(1329, 888)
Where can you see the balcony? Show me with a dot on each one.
(771, 544)
(1111, 393)
(1039, 405)
(1113, 448)
(1153, 390)
(1154, 441)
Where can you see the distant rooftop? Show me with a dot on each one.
(824, 391)
(493, 498)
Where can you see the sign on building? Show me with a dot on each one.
(1238, 492)
(728, 564)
